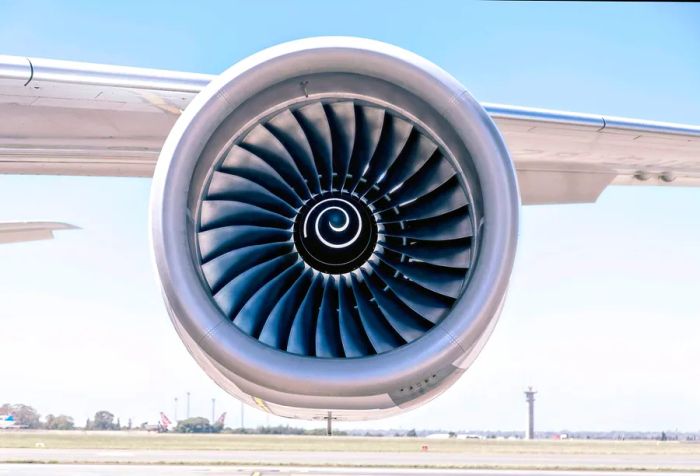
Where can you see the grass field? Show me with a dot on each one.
(144, 441)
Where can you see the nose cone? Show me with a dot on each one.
(335, 232)
(337, 220)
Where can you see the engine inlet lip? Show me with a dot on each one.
(197, 316)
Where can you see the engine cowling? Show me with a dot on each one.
(334, 223)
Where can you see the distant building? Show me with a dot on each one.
(438, 436)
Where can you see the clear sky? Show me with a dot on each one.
(603, 316)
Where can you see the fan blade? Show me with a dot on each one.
(265, 145)
(224, 268)
(236, 292)
(370, 122)
(218, 213)
(414, 156)
(445, 199)
(452, 226)
(287, 129)
(301, 335)
(217, 241)
(341, 116)
(445, 281)
(251, 318)
(452, 254)
(327, 332)
(245, 164)
(405, 322)
(314, 121)
(435, 172)
(232, 187)
(275, 332)
(380, 334)
(394, 138)
(354, 340)
(425, 303)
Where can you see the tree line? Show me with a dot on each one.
(27, 417)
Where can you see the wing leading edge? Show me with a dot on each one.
(67, 118)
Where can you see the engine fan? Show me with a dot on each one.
(334, 223)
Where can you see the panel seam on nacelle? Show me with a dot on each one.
(31, 72)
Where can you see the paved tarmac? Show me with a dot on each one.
(371, 459)
(155, 470)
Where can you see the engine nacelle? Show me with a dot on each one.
(334, 222)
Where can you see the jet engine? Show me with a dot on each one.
(334, 223)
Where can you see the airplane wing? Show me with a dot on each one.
(30, 231)
(67, 118)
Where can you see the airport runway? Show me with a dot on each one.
(371, 459)
(154, 470)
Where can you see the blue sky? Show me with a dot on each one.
(603, 315)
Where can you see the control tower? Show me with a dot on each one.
(530, 398)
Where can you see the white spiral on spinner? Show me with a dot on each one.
(338, 229)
